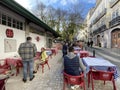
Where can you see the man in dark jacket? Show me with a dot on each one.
(64, 49)
(71, 63)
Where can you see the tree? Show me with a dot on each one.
(74, 21)
(66, 22)
(39, 10)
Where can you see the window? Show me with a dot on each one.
(117, 13)
(0, 18)
(21, 25)
(9, 21)
(3, 19)
(113, 15)
(18, 24)
(14, 23)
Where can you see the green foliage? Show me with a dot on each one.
(65, 21)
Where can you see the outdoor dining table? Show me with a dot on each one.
(82, 53)
(102, 66)
(14, 62)
(77, 49)
(98, 64)
(48, 52)
(54, 51)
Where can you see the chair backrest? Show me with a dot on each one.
(75, 80)
(2, 84)
(103, 75)
(38, 54)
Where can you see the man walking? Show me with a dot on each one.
(27, 51)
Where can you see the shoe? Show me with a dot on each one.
(34, 72)
(32, 78)
(24, 80)
(74, 87)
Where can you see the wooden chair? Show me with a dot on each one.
(74, 80)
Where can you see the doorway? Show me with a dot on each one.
(115, 38)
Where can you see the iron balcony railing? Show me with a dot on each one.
(100, 29)
(115, 21)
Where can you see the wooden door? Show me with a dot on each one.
(115, 38)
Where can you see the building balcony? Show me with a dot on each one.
(100, 29)
(99, 16)
(114, 22)
(112, 3)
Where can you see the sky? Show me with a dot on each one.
(57, 3)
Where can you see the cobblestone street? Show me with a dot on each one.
(51, 79)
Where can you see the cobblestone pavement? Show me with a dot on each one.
(51, 79)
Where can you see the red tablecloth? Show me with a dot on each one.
(14, 61)
(82, 53)
(3, 71)
(53, 51)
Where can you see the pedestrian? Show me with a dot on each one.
(27, 52)
(91, 43)
(88, 43)
(64, 49)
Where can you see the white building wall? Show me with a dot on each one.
(41, 43)
(19, 36)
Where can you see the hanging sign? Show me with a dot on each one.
(9, 33)
(37, 38)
